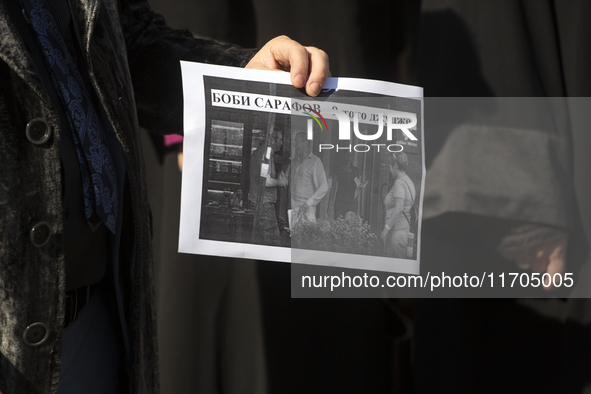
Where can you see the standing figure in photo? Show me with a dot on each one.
(398, 203)
(344, 185)
(309, 184)
(267, 226)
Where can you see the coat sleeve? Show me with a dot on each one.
(154, 51)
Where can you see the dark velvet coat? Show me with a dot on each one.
(121, 43)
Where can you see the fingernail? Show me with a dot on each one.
(300, 80)
(315, 88)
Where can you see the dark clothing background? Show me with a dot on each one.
(311, 346)
(453, 48)
(209, 328)
(118, 41)
(502, 49)
(209, 316)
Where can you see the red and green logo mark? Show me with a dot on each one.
(318, 120)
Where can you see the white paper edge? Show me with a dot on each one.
(192, 164)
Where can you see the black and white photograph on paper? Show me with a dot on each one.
(273, 174)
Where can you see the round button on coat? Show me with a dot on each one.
(40, 234)
(38, 131)
(36, 334)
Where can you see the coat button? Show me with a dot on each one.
(36, 334)
(38, 131)
(40, 234)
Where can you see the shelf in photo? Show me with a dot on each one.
(225, 183)
(226, 145)
(226, 161)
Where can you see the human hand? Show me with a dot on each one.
(283, 53)
(384, 234)
(179, 159)
(549, 257)
(303, 210)
(282, 179)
